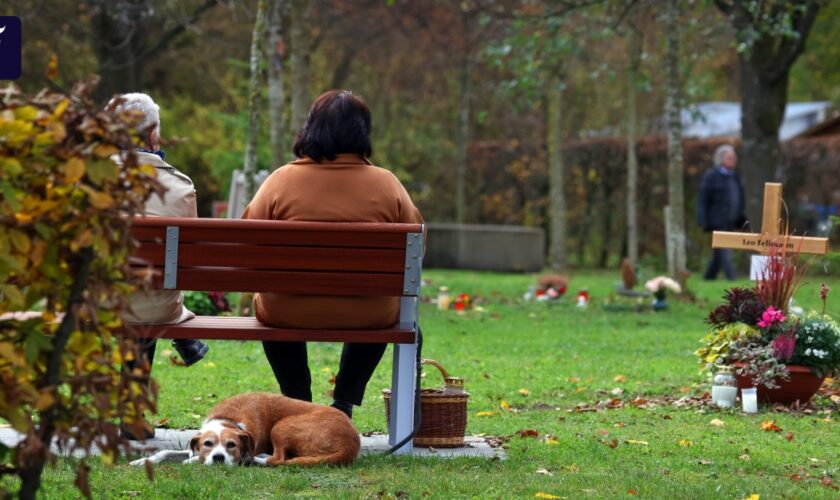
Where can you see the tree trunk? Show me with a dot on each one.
(117, 34)
(675, 146)
(463, 125)
(763, 103)
(254, 90)
(635, 61)
(31, 463)
(301, 47)
(557, 196)
(276, 92)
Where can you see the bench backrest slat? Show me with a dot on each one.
(352, 259)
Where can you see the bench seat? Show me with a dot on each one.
(248, 328)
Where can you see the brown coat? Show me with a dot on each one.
(348, 189)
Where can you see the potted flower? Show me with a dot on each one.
(659, 286)
(785, 356)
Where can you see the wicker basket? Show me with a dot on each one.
(443, 416)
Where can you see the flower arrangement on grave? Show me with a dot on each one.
(549, 287)
(756, 332)
(659, 286)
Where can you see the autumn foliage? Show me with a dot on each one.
(65, 209)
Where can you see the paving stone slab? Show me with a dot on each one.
(173, 439)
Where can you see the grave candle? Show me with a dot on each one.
(724, 396)
(749, 399)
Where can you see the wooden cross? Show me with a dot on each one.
(771, 236)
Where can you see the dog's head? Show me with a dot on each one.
(223, 442)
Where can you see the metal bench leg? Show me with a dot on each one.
(403, 380)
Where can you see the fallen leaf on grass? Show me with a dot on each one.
(828, 483)
(789, 436)
(611, 444)
(545, 472)
(603, 432)
(540, 494)
(770, 426)
(573, 468)
(633, 441)
(485, 414)
(573, 380)
(704, 461)
(618, 391)
(717, 422)
(552, 441)
(527, 433)
(209, 364)
(685, 443)
(194, 415)
(752, 497)
(620, 379)
(524, 392)
(167, 352)
(325, 369)
(632, 491)
(745, 457)
(796, 477)
(331, 381)
(504, 405)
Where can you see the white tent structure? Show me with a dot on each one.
(715, 119)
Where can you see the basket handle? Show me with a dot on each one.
(436, 365)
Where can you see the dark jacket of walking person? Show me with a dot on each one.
(332, 181)
(720, 207)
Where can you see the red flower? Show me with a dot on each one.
(783, 346)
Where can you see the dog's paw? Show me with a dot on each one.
(138, 462)
(261, 459)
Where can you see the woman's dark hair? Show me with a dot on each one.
(338, 122)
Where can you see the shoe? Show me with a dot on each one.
(141, 430)
(344, 407)
(191, 350)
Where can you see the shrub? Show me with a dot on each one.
(64, 244)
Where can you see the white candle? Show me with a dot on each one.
(724, 395)
(749, 399)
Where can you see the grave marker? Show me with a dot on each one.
(771, 237)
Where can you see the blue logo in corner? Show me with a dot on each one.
(11, 40)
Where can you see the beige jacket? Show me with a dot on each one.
(164, 306)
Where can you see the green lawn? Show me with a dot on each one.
(563, 356)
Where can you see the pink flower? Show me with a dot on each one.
(783, 347)
(770, 317)
(824, 292)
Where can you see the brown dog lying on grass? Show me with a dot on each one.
(269, 429)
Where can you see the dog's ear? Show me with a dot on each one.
(194, 444)
(246, 440)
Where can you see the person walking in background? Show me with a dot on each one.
(720, 207)
(332, 181)
(158, 307)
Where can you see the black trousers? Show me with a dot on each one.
(721, 257)
(290, 364)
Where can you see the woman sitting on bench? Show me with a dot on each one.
(332, 181)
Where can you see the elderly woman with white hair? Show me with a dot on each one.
(720, 207)
(159, 306)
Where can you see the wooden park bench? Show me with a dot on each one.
(316, 258)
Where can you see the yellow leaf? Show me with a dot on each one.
(23, 218)
(717, 422)
(524, 392)
(13, 295)
(552, 441)
(52, 68)
(754, 496)
(20, 241)
(97, 199)
(633, 441)
(210, 364)
(45, 400)
(26, 113)
(105, 150)
(620, 379)
(74, 169)
(325, 370)
(770, 426)
(540, 494)
(61, 108)
(504, 405)
(7, 351)
(686, 443)
(485, 414)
